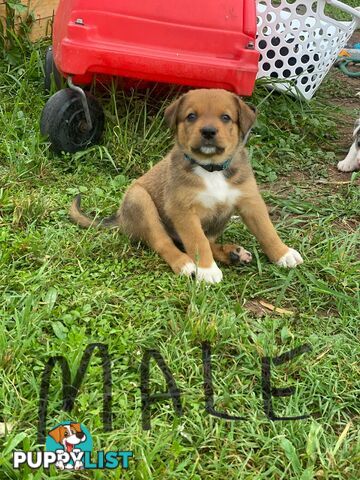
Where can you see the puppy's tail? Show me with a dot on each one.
(84, 221)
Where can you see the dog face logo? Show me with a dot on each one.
(68, 435)
(210, 123)
(69, 440)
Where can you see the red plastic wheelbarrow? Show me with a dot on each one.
(197, 43)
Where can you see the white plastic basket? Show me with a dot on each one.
(299, 43)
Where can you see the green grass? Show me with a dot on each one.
(63, 288)
(338, 14)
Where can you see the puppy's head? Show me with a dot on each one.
(68, 435)
(210, 124)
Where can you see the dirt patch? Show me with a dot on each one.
(260, 308)
(335, 181)
(348, 225)
(255, 308)
(340, 178)
(341, 91)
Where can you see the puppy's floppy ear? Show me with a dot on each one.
(246, 117)
(171, 112)
(57, 434)
(76, 426)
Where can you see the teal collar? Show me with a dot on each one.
(209, 167)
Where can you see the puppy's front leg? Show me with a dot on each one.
(352, 160)
(254, 213)
(197, 246)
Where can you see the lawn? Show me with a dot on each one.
(64, 288)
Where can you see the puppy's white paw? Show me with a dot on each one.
(290, 259)
(348, 166)
(352, 160)
(209, 275)
(188, 269)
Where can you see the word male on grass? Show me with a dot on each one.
(70, 390)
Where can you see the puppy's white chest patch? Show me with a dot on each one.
(217, 189)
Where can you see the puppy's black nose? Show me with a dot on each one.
(208, 132)
(79, 435)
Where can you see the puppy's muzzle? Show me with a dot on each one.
(208, 142)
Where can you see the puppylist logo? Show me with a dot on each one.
(69, 447)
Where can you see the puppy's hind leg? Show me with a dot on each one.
(140, 220)
(230, 254)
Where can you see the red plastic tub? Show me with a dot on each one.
(202, 43)
(199, 43)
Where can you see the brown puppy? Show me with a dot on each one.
(189, 196)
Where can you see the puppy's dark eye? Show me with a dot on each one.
(191, 117)
(225, 118)
(66, 434)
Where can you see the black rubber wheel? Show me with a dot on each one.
(51, 71)
(63, 120)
